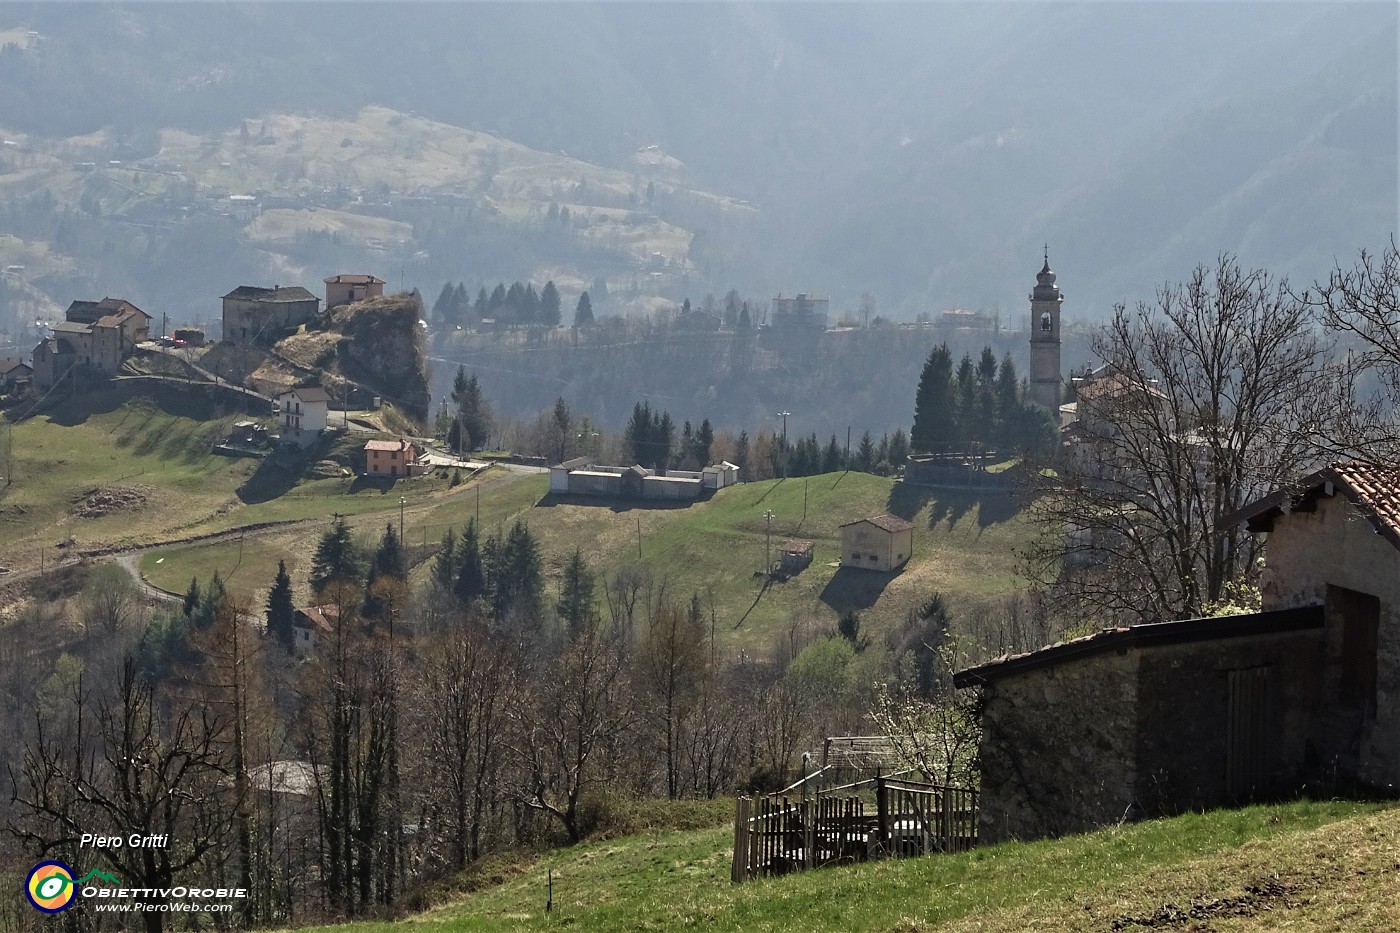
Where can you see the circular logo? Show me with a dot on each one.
(50, 887)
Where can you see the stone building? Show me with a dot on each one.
(883, 542)
(345, 289)
(1149, 719)
(1334, 541)
(1045, 338)
(93, 338)
(253, 314)
(1171, 716)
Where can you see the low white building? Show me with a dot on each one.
(303, 414)
(884, 542)
(582, 476)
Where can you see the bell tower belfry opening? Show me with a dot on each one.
(1045, 338)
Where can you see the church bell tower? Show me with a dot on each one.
(1045, 339)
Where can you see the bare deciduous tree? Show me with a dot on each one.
(1363, 305)
(578, 709)
(149, 774)
(1208, 400)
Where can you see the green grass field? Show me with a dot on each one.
(1314, 866)
(126, 436)
(963, 547)
(249, 566)
(157, 441)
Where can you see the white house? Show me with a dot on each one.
(303, 413)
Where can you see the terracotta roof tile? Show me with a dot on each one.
(1378, 489)
(1374, 489)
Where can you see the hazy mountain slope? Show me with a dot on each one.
(921, 151)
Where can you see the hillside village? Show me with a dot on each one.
(636, 467)
(1002, 714)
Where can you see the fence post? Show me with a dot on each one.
(947, 831)
(739, 870)
(882, 814)
(811, 812)
(756, 839)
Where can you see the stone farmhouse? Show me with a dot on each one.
(253, 314)
(883, 542)
(1160, 718)
(94, 337)
(14, 375)
(583, 476)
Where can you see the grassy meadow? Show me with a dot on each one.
(155, 444)
(1298, 866)
(963, 545)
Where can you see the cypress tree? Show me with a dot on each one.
(280, 610)
(583, 311)
(549, 305)
(445, 564)
(192, 596)
(470, 584)
(336, 557)
(933, 408)
(576, 596)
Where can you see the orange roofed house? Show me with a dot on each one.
(393, 458)
(312, 624)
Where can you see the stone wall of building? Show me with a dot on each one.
(1334, 544)
(1183, 709)
(1058, 748)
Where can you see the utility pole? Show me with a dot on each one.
(767, 545)
(784, 415)
(639, 537)
(403, 542)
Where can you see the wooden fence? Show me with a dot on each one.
(776, 835)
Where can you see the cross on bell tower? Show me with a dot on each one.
(1045, 338)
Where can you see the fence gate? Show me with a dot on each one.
(776, 835)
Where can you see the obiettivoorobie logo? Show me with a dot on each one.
(51, 888)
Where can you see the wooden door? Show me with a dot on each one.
(1246, 732)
